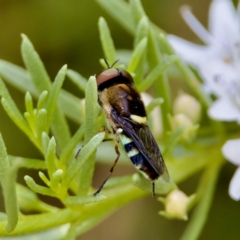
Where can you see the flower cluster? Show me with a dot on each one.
(218, 64)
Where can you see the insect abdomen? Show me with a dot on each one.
(137, 158)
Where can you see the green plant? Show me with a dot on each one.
(46, 126)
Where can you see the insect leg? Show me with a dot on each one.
(105, 129)
(111, 170)
(153, 189)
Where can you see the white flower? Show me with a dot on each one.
(231, 150)
(218, 61)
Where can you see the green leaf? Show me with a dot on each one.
(106, 41)
(28, 201)
(51, 157)
(120, 11)
(55, 180)
(42, 100)
(68, 151)
(19, 78)
(91, 118)
(41, 122)
(37, 188)
(12, 110)
(154, 103)
(137, 55)
(29, 103)
(142, 30)
(7, 179)
(82, 158)
(137, 11)
(77, 79)
(76, 200)
(54, 93)
(34, 65)
(29, 163)
(156, 73)
(44, 178)
(45, 142)
(91, 109)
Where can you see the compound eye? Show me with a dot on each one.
(126, 75)
(106, 75)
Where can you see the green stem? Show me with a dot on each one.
(206, 191)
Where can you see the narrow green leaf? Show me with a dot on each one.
(12, 110)
(60, 128)
(42, 82)
(42, 100)
(28, 201)
(34, 65)
(173, 140)
(27, 163)
(68, 151)
(91, 113)
(54, 93)
(77, 79)
(19, 78)
(41, 122)
(154, 103)
(137, 11)
(55, 179)
(82, 158)
(31, 122)
(156, 73)
(51, 157)
(29, 103)
(76, 200)
(106, 41)
(37, 188)
(7, 179)
(137, 55)
(44, 178)
(142, 30)
(120, 11)
(91, 109)
(72, 107)
(45, 142)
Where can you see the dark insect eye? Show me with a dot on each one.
(106, 75)
(119, 76)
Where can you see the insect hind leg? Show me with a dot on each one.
(153, 189)
(111, 170)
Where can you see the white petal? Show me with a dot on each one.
(222, 18)
(195, 25)
(192, 53)
(234, 188)
(215, 69)
(224, 110)
(231, 151)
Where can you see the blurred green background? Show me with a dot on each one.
(66, 32)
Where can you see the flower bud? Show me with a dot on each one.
(189, 106)
(176, 205)
(154, 115)
(189, 131)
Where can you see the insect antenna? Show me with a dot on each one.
(108, 63)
